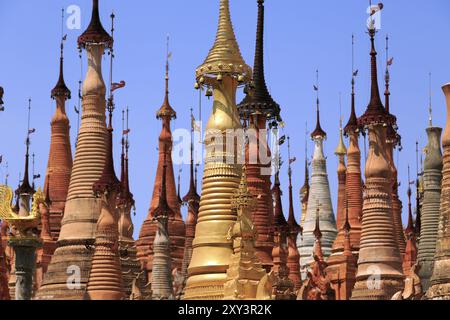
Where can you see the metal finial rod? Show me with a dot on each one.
(62, 22)
(127, 130)
(28, 127)
(32, 166)
(340, 111)
(317, 88)
(387, 49)
(430, 108)
(417, 159)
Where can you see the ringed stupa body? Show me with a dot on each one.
(429, 217)
(223, 70)
(82, 208)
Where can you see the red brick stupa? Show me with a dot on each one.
(259, 108)
(176, 224)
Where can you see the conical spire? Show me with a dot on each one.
(25, 187)
(352, 124)
(410, 228)
(166, 110)
(294, 226)
(163, 207)
(318, 132)
(95, 34)
(225, 55)
(341, 149)
(61, 89)
(375, 112)
(125, 195)
(258, 97)
(279, 219)
(108, 180)
(192, 193)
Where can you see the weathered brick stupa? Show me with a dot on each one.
(192, 199)
(245, 274)
(410, 258)
(105, 275)
(440, 279)
(223, 70)
(176, 224)
(293, 259)
(72, 259)
(341, 267)
(284, 286)
(130, 265)
(59, 166)
(319, 195)
(161, 278)
(379, 274)
(393, 140)
(429, 218)
(259, 108)
(57, 178)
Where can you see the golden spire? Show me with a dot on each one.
(225, 55)
(341, 150)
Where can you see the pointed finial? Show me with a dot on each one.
(430, 108)
(318, 132)
(387, 77)
(166, 109)
(352, 124)
(341, 149)
(25, 187)
(61, 89)
(317, 232)
(410, 228)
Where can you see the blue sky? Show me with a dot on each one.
(301, 36)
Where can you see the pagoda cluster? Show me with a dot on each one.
(73, 240)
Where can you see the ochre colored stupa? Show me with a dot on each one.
(105, 275)
(72, 259)
(59, 166)
(176, 224)
(379, 274)
(341, 268)
(223, 70)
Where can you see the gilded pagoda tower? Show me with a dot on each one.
(72, 258)
(223, 70)
(59, 166)
(258, 107)
(379, 274)
(319, 195)
(342, 267)
(245, 272)
(429, 217)
(440, 279)
(176, 224)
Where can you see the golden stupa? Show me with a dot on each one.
(221, 73)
